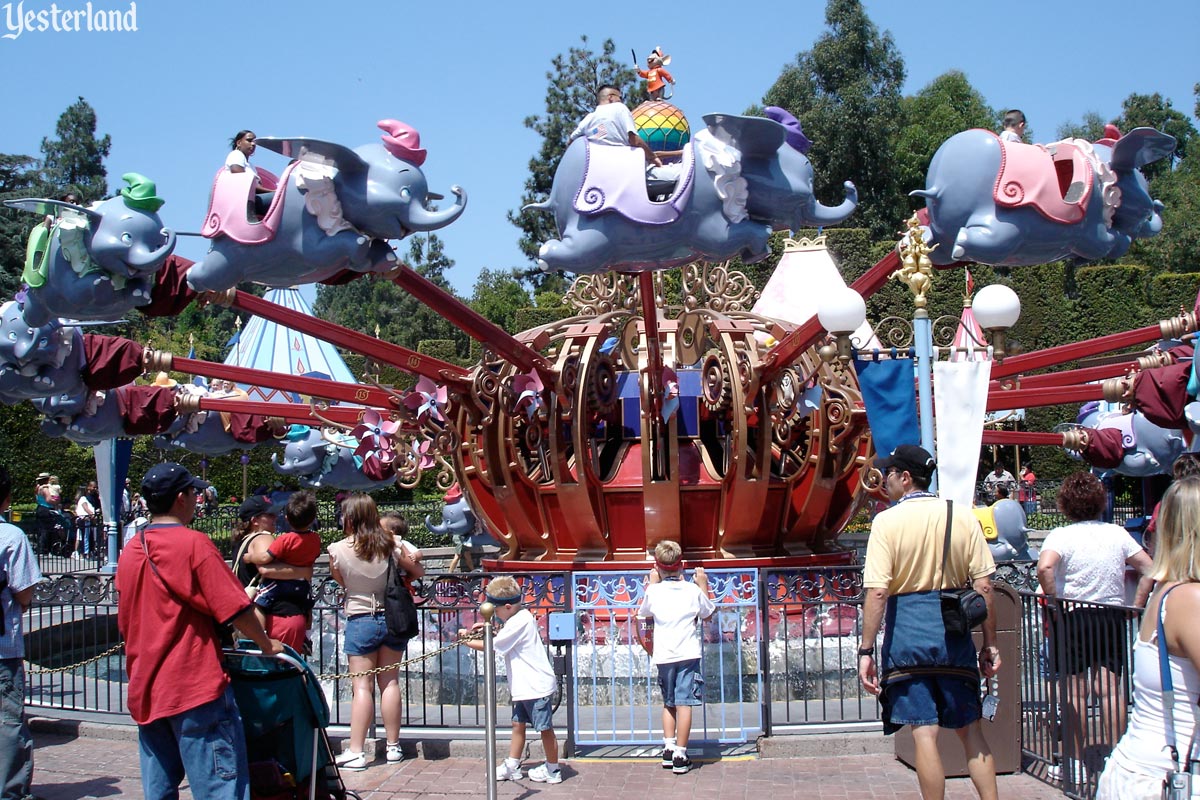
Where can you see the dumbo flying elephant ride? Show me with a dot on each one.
(334, 211)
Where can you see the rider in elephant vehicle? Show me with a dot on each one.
(612, 124)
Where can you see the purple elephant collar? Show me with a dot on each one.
(614, 179)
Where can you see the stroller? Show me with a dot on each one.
(284, 715)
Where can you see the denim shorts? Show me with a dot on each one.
(948, 702)
(536, 713)
(681, 683)
(366, 633)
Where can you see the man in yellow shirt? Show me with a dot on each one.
(930, 677)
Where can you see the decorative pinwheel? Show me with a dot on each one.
(528, 388)
(375, 447)
(426, 401)
(670, 384)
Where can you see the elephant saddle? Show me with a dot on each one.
(231, 207)
(615, 180)
(1055, 180)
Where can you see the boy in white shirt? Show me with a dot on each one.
(530, 680)
(676, 608)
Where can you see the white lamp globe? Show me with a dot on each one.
(842, 311)
(996, 307)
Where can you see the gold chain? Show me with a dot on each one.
(330, 676)
(71, 667)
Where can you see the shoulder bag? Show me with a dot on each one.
(962, 608)
(399, 610)
(252, 586)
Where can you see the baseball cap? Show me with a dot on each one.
(908, 458)
(169, 479)
(258, 505)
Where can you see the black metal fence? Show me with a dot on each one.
(1076, 687)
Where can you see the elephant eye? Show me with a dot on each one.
(127, 238)
(43, 342)
(405, 194)
(12, 336)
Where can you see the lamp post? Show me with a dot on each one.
(996, 308)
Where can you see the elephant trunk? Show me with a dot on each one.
(819, 214)
(154, 259)
(433, 527)
(422, 219)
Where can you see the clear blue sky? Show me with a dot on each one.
(467, 73)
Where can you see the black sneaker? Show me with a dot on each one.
(668, 758)
(681, 764)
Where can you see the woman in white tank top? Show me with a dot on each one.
(1140, 761)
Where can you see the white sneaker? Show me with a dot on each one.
(349, 760)
(393, 753)
(506, 773)
(541, 774)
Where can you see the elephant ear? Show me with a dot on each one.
(316, 151)
(1141, 146)
(753, 136)
(43, 206)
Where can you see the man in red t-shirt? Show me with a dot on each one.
(174, 589)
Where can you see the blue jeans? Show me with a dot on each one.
(206, 743)
(16, 745)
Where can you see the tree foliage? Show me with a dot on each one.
(499, 295)
(1090, 128)
(949, 104)
(1156, 111)
(846, 94)
(372, 305)
(570, 95)
(74, 161)
(19, 177)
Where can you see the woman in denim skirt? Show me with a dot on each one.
(359, 564)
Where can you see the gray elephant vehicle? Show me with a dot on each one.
(1012, 204)
(739, 180)
(39, 361)
(94, 263)
(334, 211)
(459, 522)
(318, 461)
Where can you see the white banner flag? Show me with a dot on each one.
(960, 400)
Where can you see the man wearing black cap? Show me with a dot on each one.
(930, 677)
(174, 585)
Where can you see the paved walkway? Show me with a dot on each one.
(69, 768)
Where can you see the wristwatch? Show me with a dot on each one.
(866, 651)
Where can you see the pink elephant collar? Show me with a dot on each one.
(1055, 180)
(227, 215)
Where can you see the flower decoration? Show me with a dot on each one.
(426, 400)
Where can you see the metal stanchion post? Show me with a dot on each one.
(489, 700)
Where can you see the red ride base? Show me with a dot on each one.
(839, 558)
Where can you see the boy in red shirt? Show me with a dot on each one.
(298, 547)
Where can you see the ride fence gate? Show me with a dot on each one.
(615, 698)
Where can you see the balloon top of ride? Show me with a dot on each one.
(662, 126)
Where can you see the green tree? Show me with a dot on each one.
(949, 104)
(570, 95)
(846, 94)
(18, 178)
(371, 305)
(1090, 128)
(499, 295)
(75, 159)
(1177, 247)
(1156, 111)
